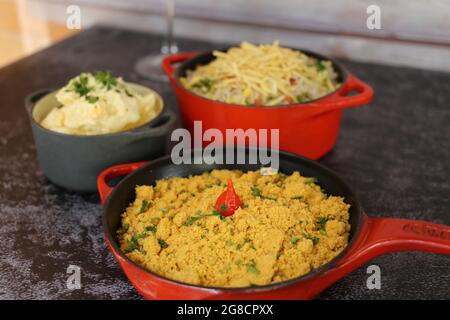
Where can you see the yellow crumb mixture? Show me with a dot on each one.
(285, 228)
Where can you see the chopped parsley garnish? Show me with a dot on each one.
(319, 66)
(251, 267)
(311, 181)
(163, 244)
(144, 206)
(298, 198)
(106, 78)
(322, 221)
(294, 240)
(302, 97)
(229, 242)
(80, 85)
(223, 207)
(163, 209)
(92, 99)
(315, 240)
(238, 262)
(133, 243)
(203, 85)
(200, 215)
(151, 229)
(258, 193)
(128, 93)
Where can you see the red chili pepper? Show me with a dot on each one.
(228, 202)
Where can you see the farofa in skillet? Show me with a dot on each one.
(286, 228)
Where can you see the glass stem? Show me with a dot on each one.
(170, 46)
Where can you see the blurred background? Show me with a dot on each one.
(413, 32)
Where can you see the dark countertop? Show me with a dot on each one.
(395, 153)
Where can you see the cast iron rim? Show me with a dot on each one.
(166, 160)
(207, 56)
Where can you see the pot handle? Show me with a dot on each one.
(34, 97)
(160, 128)
(113, 172)
(341, 99)
(385, 235)
(174, 58)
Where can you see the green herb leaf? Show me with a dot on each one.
(200, 215)
(294, 240)
(319, 66)
(133, 244)
(106, 78)
(163, 244)
(302, 97)
(144, 206)
(251, 267)
(92, 99)
(151, 229)
(258, 193)
(311, 181)
(315, 240)
(322, 221)
(128, 93)
(80, 85)
(203, 85)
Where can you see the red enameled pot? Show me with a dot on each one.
(309, 129)
(369, 237)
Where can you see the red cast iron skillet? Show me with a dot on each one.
(309, 129)
(369, 237)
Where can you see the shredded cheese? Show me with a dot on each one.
(265, 75)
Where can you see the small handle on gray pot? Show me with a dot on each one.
(164, 124)
(32, 98)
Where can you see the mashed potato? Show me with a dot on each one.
(100, 104)
(286, 227)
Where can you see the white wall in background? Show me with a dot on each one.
(414, 32)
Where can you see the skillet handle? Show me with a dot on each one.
(113, 172)
(174, 58)
(341, 99)
(385, 235)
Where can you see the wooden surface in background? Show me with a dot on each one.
(22, 34)
(414, 33)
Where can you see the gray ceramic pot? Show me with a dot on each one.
(74, 162)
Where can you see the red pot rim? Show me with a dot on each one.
(349, 83)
